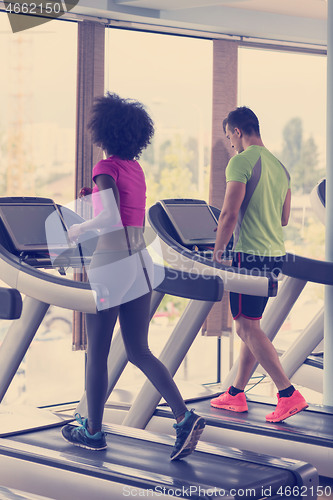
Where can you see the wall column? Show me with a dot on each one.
(328, 311)
(90, 84)
(225, 72)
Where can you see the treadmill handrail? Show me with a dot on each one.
(15, 262)
(303, 268)
(153, 213)
(203, 260)
(191, 286)
(188, 285)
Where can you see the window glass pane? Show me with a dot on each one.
(37, 121)
(37, 138)
(288, 93)
(172, 76)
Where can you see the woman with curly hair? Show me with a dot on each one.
(123, 267)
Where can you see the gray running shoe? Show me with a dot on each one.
(188, 432)
(79, 436)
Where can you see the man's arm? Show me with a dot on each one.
(286, 209)
(233, 199)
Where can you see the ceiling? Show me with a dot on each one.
(305, 8)
(286, 21)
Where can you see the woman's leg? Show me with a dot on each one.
(116, 274)
(134, 322)
(100, 328)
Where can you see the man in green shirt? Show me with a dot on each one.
(256, 206)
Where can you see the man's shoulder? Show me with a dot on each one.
(239, 169)
(246, 159)
(270, 157)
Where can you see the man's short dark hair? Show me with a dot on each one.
(244, 119)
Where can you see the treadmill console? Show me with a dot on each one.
(35, 230)
(318, 200)
(322, 192)
(24, 220)
(194, 224)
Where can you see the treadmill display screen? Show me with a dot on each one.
(26, 226)
(194, 223)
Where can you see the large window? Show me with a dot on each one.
(37, 140)
(174, 81)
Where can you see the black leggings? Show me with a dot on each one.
(134, 323)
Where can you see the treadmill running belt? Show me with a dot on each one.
(312, 425)
(146, 464)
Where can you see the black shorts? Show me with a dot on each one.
(252, 306)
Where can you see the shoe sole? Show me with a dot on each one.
(86, 447)
(289, 413)
(238, 409)
(192, 439)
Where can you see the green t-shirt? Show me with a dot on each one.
(259, 230)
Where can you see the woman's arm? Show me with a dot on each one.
(110, 214)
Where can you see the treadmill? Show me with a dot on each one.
(311, 370)
(304, 361)
(307, 436)
(33, 455)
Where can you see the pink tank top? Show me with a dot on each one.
(131, 184)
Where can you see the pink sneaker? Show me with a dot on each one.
(287, 407)
(228, 402)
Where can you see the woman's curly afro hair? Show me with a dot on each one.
(122, 127)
